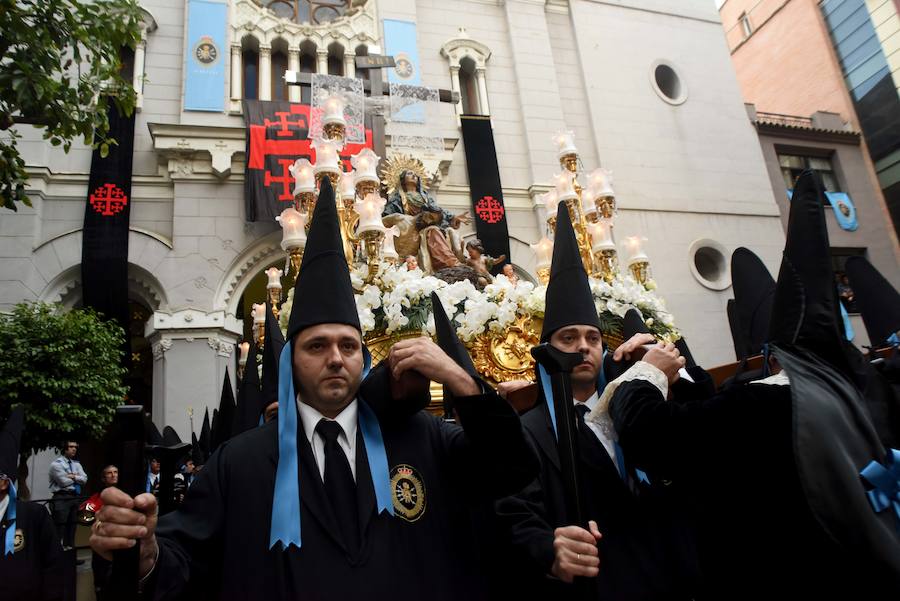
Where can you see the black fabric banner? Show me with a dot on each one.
(485, 186)
(104, 248)
(276, 137)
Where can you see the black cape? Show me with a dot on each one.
(645, 552)
(216, 545)
(35, 572)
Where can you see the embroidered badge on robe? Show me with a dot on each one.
(19, 541)
(408, 492)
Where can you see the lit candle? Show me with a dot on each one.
(600, 182)
(543, 251)
(365, 163)
(293, 228)
(304, 179)
(565, 143)
(387, 247)
(334, 110)
(274, 274)
(326, 156)
(550, 200)
(348, 185)
(636, 253)
(369, 209)
(245, 352)
(587, 201)
(601, 236)
(564, 188)
(259, 313)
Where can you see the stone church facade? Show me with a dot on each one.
(646, 85)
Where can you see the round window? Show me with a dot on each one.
(667, 83)
(709, 264)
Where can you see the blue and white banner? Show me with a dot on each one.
(205, 56)
(400, 42)
(844, 209)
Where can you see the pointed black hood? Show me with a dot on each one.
(197, 455)
(271, 353)
(878, 301)
(569, 299)
(205, 435)
(223, 422)
(10, 440)
(246, 416)
(154, 438)
(170, 437)
(806, 310)
(754, 296)
(738, 335)
(448, 340)
(323, 293)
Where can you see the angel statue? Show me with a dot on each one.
(426, 230)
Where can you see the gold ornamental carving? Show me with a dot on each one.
(506, 356)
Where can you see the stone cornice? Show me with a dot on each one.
(183, 145)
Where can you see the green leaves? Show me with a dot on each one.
(65, 367)
(59, 67)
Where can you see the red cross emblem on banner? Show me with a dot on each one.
(283, 122)
(285, 179)
(108, 200)
(489, 209)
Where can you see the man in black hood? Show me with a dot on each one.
(788, 470)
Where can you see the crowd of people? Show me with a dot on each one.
(633, 476)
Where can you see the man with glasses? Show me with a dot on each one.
(67, 480)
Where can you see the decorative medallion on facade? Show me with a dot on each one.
(489, 210)
(205, 52)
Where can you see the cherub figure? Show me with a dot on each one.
(479, 261)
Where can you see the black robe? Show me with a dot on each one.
(217, 544)
(733, 453)
(645, 552)
(34, 573)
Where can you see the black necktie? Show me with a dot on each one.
(339, 484)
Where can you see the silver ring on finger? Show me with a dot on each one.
(579, 557)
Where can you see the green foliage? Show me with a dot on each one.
(59, 69)
(65, 367)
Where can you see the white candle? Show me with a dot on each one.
(636, 253)
(293, 228)
(259, 313)
(601, 236)
(245, 352)
(564, 187)
(387, 247)
(587, 201)
(274, 274)
(600, 182)
(348, 185)
(334, 110)
(365, 163)
(550, 200)
(543, 251)
(369, 209)
(326, 156)
(304, 178)
(565, 143)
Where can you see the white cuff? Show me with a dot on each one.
(639, 371)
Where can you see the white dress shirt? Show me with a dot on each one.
(347, 419)
(605, 440)
(3, 505)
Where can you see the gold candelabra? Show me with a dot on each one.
(372, 239)
(334, 131)
(306, 201)
(275, 300)
(366, 187)
(606, 264)
(606, 206)
(640, 270)
(296, 258)
(260, 335)
(334, 176)
(543, 274)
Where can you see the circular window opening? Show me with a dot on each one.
(709, 264)
(668, 83)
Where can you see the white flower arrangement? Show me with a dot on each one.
(401, 303)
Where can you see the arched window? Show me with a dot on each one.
(308, 11)
(335, 59)
(279, 66)
(468, 88)
(250, 62)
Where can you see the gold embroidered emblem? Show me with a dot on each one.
(18, 540)
(407, 492)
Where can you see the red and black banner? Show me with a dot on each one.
(485, 186)
(104, 249)
(276, 137)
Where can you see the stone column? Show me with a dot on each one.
(294, 65)
(482, 91)
(237, 71)
(349, 64)
(265, 72)
(322, 62)
(137, 80)
(454, 86)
